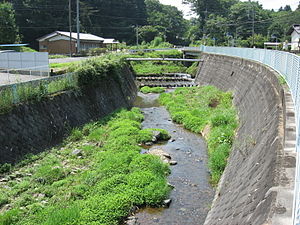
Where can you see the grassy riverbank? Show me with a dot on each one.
(209, 111)
(97, 177)
(161, 67)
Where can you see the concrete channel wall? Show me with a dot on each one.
(249, 189)
(33, 127)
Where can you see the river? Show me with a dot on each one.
(192, 194)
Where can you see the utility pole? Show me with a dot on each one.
(70, 26)
(253, 20)
(78, 27)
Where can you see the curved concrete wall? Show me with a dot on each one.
(33, 127)
(247, 191)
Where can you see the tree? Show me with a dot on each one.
(204, 8)
(148, 33)
(287, 8)
(8, 28)
(216, 28)
(243, 14)
(169, 18)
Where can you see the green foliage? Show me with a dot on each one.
(4, 168)
(4, 199)
(281, 80)
(47, 174)
(57, 56)
(101, 187)
(62, 215)
(147, 90)
(192, 70)
(97, 51)
(170, 20)
(8, 28)
(146, 67)
(76, 135)
(10, 217)
(197, 108)
(88, 73)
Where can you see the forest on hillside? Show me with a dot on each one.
(217, 22)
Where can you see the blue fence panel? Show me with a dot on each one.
(288, 65)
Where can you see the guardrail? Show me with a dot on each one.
(288, 65)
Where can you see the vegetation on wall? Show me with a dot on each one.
(209, 111)
(88, 72)
(97, 177)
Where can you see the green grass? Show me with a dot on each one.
(99, 186)
(281, 80)
(199, 107)
(147, 90)
(58, 56)
(156, 67)
(62, 65)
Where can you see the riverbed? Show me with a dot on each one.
(192, 194)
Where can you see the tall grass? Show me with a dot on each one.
(207, 107)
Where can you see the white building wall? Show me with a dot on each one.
(295, 41)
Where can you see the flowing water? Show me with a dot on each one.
(192, 194)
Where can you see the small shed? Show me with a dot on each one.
(58, 42)
(294, 31)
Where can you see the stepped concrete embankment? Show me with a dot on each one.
(256, 179)
(33, 127)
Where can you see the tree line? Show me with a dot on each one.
(232, 22)
(27, 20)
(218, 22)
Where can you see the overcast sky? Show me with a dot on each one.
(267, 4)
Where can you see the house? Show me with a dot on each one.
(58, 42)
(295, 34)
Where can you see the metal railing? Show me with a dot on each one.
(288, 65)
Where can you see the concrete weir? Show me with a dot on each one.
(257, 185)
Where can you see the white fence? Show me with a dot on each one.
(288, 65)
(26, 61)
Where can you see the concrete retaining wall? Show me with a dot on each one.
(247, 193)
(33, 127)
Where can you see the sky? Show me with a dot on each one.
(267, 4)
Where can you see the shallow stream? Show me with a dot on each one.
(192, 194)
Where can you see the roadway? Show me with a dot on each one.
(6, 79)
